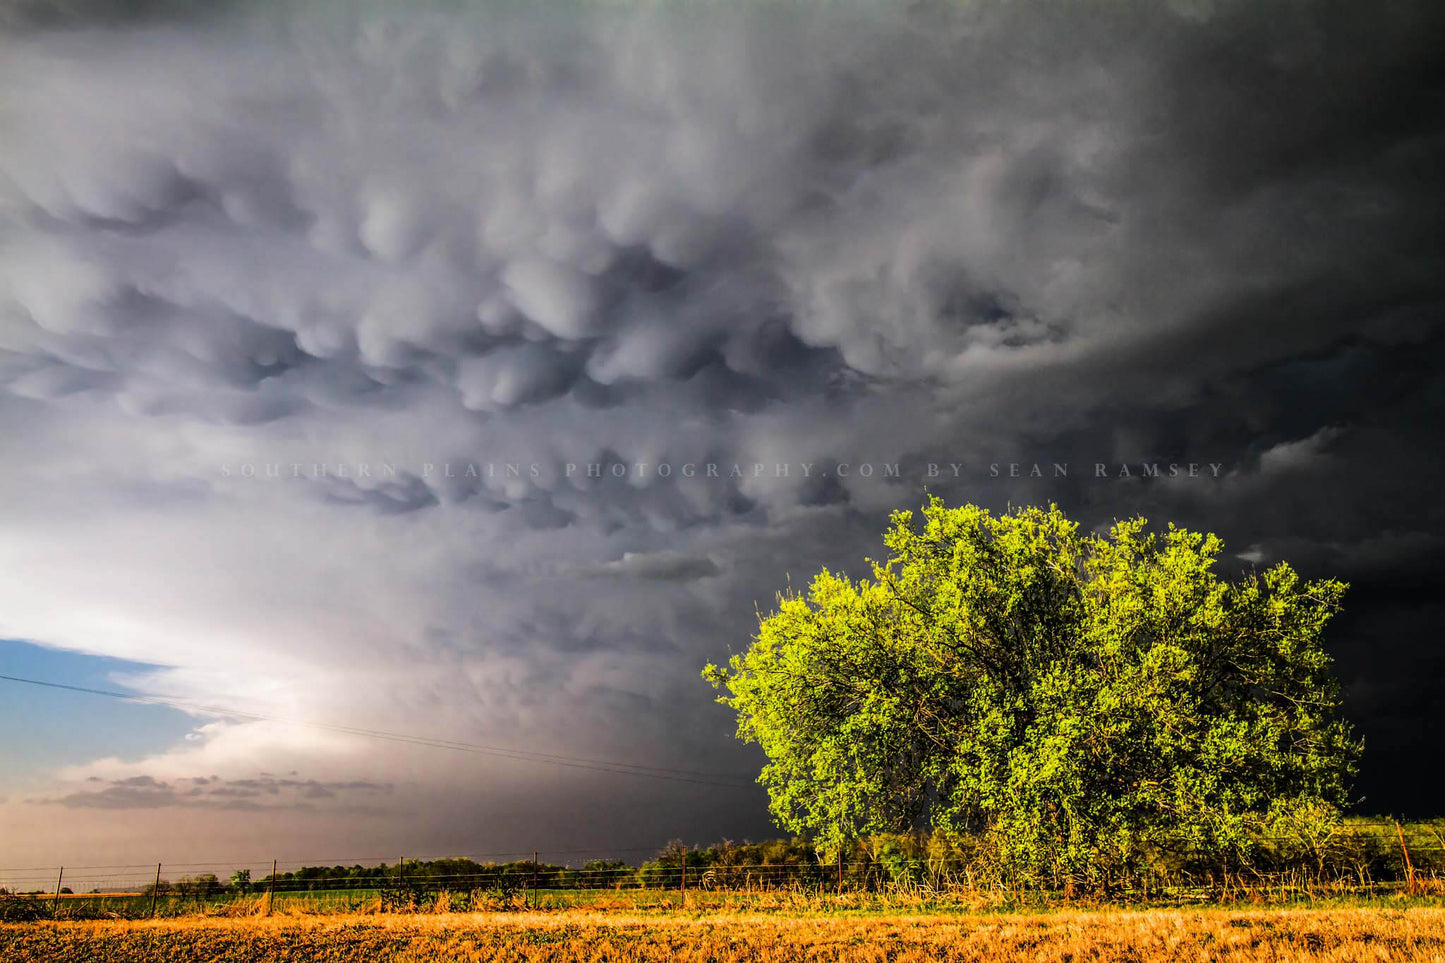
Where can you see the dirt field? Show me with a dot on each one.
(1165, 936)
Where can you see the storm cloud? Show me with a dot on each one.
(263, 792)
(493, 255)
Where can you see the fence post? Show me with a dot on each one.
(156, 890)
(840, 869)
(684, 876)
(55, 903)
(271, 893)
(534, 879)
(1409, 866)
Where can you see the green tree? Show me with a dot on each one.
(1072, 701)
(241, 881)
(201, 886)
(161, 888)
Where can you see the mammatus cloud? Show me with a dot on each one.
(546, 245)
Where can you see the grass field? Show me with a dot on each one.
(792, 902)
(1282, 935)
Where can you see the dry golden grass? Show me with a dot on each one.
(1165, 936)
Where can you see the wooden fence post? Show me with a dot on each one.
(840, 869)
(1409, 866)
(271, 894)
(684, 876)
(534, 880)
(55, 904)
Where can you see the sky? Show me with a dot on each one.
(478, 372)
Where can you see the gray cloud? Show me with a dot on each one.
(661, 566)
(202, 792)
(619, 235)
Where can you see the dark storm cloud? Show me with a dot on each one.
(63, 13)
(608, 235)
(661, 566)
(207, 792)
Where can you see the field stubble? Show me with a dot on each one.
(1286, 936)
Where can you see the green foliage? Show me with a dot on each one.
(1352, 858)
(1073, 702)
(201, 886)
(459, 881)
(15, 908)
(900, 865)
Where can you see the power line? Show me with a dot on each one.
(523, 755)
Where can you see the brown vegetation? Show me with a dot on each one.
(1334, 935)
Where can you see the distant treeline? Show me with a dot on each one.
(1361, 851)
(765, 863)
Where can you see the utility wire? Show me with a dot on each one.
(523, 755)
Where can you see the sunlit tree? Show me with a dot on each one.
(1072, 700)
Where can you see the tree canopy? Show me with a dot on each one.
(1071, 699)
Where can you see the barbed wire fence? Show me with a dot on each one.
(502, 880)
